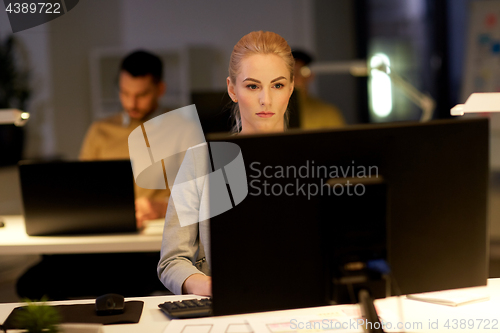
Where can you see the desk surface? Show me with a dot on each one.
(14, 240)
(153, 320)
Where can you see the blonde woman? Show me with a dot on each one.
(260, 83)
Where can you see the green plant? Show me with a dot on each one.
(38, 317)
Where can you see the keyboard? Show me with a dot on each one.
(190, 308)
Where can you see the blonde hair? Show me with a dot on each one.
(258, 42)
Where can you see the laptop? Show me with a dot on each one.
(91, 197)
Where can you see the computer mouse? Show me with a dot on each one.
(109, 304)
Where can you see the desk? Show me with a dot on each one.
(14, 240)
(153, 320)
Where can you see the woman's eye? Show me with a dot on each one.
(252, 86)
(279, 85)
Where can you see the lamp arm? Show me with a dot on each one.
(358, 68)
(422, 100)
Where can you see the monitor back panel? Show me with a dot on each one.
(214, 110)
(267, 252)
(78, 197)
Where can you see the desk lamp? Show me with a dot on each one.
(13, 116)
(478, 103)
(359, 68)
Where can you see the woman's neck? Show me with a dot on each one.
(252, 130)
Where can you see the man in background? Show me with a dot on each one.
(313, 112)
(141, 86)
(69, 276)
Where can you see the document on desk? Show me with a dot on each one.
(455, 297)
(329, 319)
(339, 319)
(209, 325)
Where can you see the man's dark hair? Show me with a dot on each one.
(142, 63)
(303, 56)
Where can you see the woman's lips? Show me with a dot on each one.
(265, 114)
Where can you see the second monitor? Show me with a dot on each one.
(270, 249)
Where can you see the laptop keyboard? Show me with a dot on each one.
(190, 308)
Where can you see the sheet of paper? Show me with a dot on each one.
(340, 319)
(329, 319)
(451, 297)
(209, 325)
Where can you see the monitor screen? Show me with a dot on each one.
(425, 182)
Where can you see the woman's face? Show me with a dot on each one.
(262, 90)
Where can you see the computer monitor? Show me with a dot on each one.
(268, 252)
(214, 110)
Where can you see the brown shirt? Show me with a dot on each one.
(107, 139)
(314, 114)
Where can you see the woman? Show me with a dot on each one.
(260, 84)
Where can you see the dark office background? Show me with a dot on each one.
(425, 39)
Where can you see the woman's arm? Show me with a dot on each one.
(179, 251)
(181, 244)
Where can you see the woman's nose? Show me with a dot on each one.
(265, 98)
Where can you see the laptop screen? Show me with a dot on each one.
(78, 197)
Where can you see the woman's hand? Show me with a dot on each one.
(198, 284)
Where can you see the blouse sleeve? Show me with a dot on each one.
(179, 251)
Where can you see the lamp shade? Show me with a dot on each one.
(478, 103)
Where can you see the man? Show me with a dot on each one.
(140, 88)
(130, 274)
(313, 112)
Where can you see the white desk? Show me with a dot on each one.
(14, 240)
(153, 320)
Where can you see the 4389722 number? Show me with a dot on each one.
(40, 7)
(471, 324)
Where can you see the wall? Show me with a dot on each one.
(89, 25)
(153, 24)
(335, 41)
(218, 23)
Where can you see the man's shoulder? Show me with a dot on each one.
(109, 127)
(113, 120)
(316, 113)
(320, 105)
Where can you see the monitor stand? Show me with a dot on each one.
(372, 323)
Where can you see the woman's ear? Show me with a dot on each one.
(230, 89)
(292, 86)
